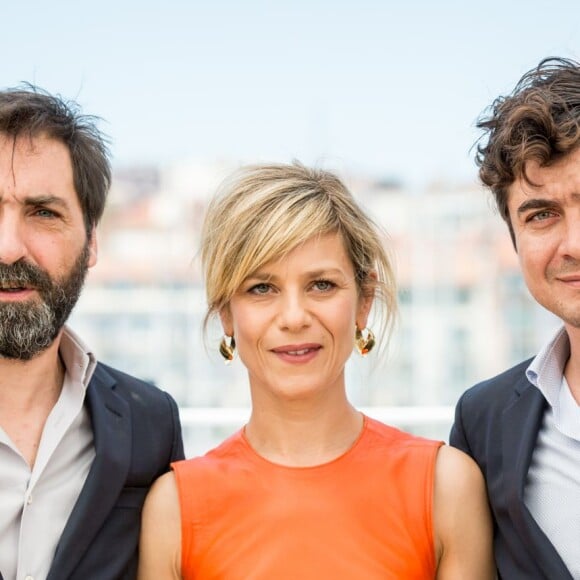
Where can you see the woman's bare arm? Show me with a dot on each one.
(160, 543)
(463, 528)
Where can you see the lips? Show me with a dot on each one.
(15, 285)
(13, 288)
(297, 354)
(569, 279)
(296, 350)
(10, 291)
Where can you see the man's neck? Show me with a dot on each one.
(572, 369)
(28, 392)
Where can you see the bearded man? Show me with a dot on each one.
(80, 442)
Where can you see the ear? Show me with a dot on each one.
(225, 315)
(92, 248)
(367, 296)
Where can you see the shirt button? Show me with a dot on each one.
(29, 501)
(29, 578)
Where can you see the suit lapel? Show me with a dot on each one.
(111, 424)
(521, 423)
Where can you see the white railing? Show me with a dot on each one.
(206, 427)
(392, 415)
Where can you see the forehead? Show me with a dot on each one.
(319, 252)
(558, 181)
(36, 165)
(29, 147)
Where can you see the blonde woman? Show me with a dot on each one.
(310, 488)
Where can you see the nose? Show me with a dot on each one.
(294, 314)
(571, 241)
(12, 243)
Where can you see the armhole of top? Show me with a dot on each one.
(184, 495)
(430, 501)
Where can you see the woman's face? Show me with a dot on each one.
(294, 320)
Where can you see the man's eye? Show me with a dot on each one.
(44, 213)
(542, 215)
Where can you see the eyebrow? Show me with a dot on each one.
(45, 200)
(36, 200)
(540, 203)
(266, 277)
(536, 203)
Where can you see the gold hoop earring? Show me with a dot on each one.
(364, 344)
(228, 348)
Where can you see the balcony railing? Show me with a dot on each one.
(396, 416)
(206, 427)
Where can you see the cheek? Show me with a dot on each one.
(341, 320)
(249, 327)
(538, 267)
(57, 254)
(529, 272)
(250, 336)
(533, 259)
(51, 256)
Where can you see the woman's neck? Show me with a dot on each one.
(301, 434)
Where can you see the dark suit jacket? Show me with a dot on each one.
(137, 434)
(497, 423)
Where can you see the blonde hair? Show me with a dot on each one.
(262, 212)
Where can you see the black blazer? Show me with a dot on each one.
(137, 434)
(497, 423)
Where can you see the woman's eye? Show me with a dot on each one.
(260, 289)
(323, 285)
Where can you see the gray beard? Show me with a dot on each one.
(27, 328)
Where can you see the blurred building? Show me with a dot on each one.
(464, 310)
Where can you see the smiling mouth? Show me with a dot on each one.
(298, 352)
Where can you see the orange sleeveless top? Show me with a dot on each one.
(366, 514)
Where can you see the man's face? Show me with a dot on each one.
(546, 223)
(44, 251)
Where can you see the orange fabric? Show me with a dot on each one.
(365, 515)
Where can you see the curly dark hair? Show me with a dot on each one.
(539, 120)
(30, 112)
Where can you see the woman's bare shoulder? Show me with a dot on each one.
(160, 543)
(462, 520)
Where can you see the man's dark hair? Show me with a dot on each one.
(539, 120)
(29, 111)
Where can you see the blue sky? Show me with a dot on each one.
(391, 88)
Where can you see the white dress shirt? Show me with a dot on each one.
(35, 504)
(552, 492)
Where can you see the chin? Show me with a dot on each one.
(298, 391)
